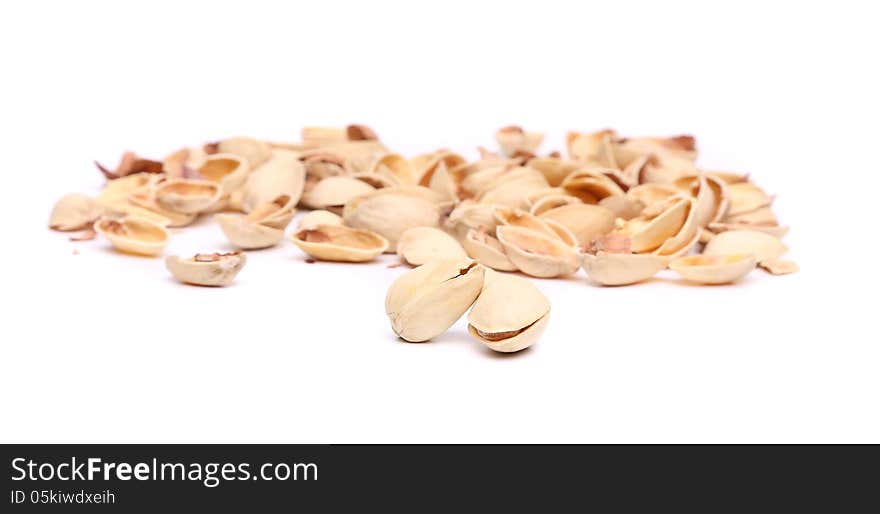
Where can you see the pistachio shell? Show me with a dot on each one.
(283, 173)
(424, 302)
(586, 222)
(340, 243)
(443, 183)
(135, 235)
(74, 211)
(419, 245)
(685, 237)
(314, 218)
(396, 167)
(334, 192)
(375, 180)
(713, 269)
(391, 211)
(248, 234)
(622, 206)
(745, 197)
(554, 169)
(773, 230)
(585, 146)
(253, 151)
(779, 266)
(648, 236)
(504, 325)
(762, 246)
(188, 196)
(143, 203)
(761, 216)
(226, 169)
(214, 269)
(590, 185)
(650, 194)
(469, 215)
(536, 253)
(546, 203)
(486, 250)
(521, 218)
(513, 140)
(618, 269)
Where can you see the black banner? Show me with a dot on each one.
(134, 478)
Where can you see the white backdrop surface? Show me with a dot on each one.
(99, 347)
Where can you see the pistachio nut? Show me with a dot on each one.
(74, 211)
(762, 246)
(618, 269)
(713, 269)
(134, 235)
(339, 243)
(504, 325)
(206, 269)
(320, 217)
(424, 302)
(536, 253)
(188, 196)
(419, 245)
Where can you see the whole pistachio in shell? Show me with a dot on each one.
(390, 214)
(419, 245)
(713, 269)
(74, 211)
(424, 302)
(206, 269)
(510, 313)
(188, 196)
(339, 243)
(130, 234)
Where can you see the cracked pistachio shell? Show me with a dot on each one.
(649, 194)
(623, 206)
(334, 192)
(590, 185)
(685, 237)
(779, 266)
(226, 169)
(514, 140)
(444, 183)
(281, 174)
(761, 216)
(143, 203)
(620, 269)
(585, 146)
(188, 196)
(396, 167)
(514, 191)
(314, 218)
(762, 246)
(74, 211)
(554, 169)
(375, 180)
(486, 250)
(206, 269)
(504, 325)
(536, 253)
(419, 245)
(713, 269)
(520, 218)
(389, 212)
(339, 243)
(469, 215)
(709, 194)
(134, 235)
(649, 235)
(585, 221)
(745, 197)
(359, 155)
(424, 302)
(253, 151)
(548, 202)
(248, 234)
(776, 231)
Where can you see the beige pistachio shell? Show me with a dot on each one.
(443, 183)
(685, 237)
(74, 211)
(396, 167)
(762, 216)
(487, 250)
(745, 197)
(248, 234)
(504, 324)
(776, 231)
(188, 196)
(375, 180)
(283, 173)
(207, 269)
(144, 200)
(591, 185)
(520, 218)
(762, 246)
(469, 215)
(649, 194)
(585, 146)
(549, 202)
(253, 151)
(334, 192)
(424, 302)
(779, 266)
(713, 269)
(514, 140)
(536, 253)
(623, 206)
(391, 214)
(314, 218)
(585, 221)
(419, 245)
(339, 243)
(648, 236)
(618, 269)
(228, 170)
(513, 193)
(134, 235)
(554, 169)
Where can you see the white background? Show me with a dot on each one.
(100, 347)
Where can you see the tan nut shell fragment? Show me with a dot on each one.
(253, 151)
(247, 234)
(389, 212)
(419, 245)
(619, 269)
(585, 146)
(486, 250)
(282, 173)
(214, 269)
(228, 170)
(590, 185)
(649, 236)
(779, 266)
(504, 325)
(762, 246)
(188, 196)
(745, 197)
(320, 217)
(424, 302)
(471, 215)
(585, 221)
(134, 235)
(74, 211)
(776, 231)
(713, 269)
(649, 194)
(536, 253)
(513, 140)
(143, 203)
(334, 192)
(686, 236)
(548, 202)
(554, 169)
(339, 243)
(623, 206)
(520, 218)
(396, 167)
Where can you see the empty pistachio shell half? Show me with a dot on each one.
(554, 169)
(334, 192)
(340, 243)
(537, 254)
(547, 202)
(135, 235)
(188, 196)
(619, 269)
(261, 228)
(514, 140)
(713, 269)
(390, 213)
(779, 266)
(73, 212)
(253, 151)
(586, 222)
(282, 173)
(625, 207)
(226, 169)
(649, 235)
(206, 269)
(424, 302)
(320, 217)
(762, 246)
(745, 197)
(419, 245)
(510, 313)
(486, 250)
